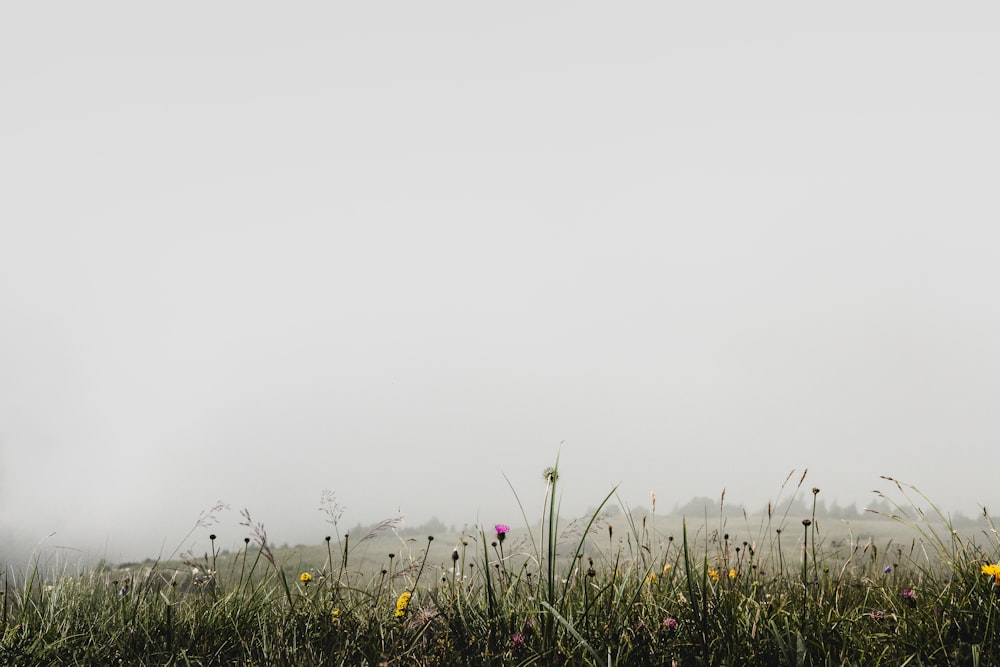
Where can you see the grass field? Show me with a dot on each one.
(903, 586)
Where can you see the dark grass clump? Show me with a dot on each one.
(573, 594)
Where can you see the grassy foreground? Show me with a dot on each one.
(576, 594)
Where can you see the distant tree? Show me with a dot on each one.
(701, 506)
(795, 507)
(610, 509)
(639, 511)
(433, 526)
(879, 505)
(821, 508)
(835, 510)
(850, 512)
(697, 506)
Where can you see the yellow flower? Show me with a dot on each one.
(993, 571)
(305, 577)
(402, 603)
(732, 574)
(714, 574)
(650, 579)
(666, 567)
(335, 614)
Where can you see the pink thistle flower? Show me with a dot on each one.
(502, 530)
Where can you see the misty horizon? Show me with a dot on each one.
(228, 522)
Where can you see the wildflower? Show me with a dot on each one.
(876, 614)
(502, 530)
(305, 577)
(335, 615)
(714, 574)
(666, 567)
(517, 640)
(732, 573)
(670, 624)
(909, 597)
(402, 603)
(888, 569)
(650, 579)
(993, 571)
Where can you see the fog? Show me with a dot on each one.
(408, 252)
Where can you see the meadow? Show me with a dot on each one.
(903, 585)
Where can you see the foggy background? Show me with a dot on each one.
(250, 252)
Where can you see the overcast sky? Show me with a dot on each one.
(251, 251)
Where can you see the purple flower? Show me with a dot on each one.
(669, 624)
(502, 530)
(516, 640)
(877, 614)
(908, 594)
(888, 569)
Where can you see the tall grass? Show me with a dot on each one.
(553, 592)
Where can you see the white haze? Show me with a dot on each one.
(251, 251)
